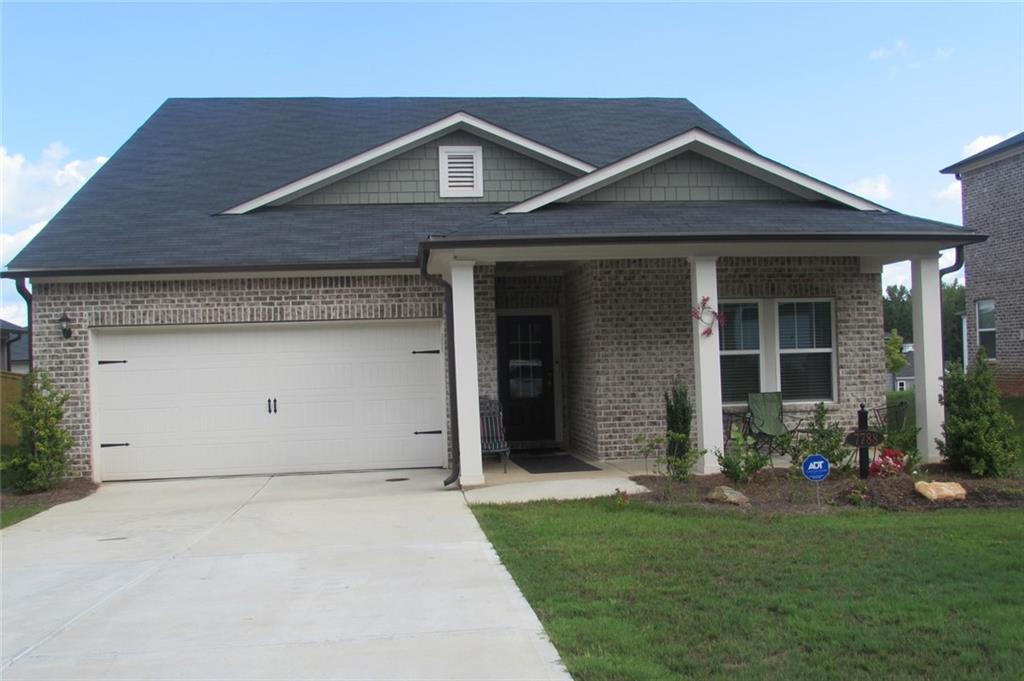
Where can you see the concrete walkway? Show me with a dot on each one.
(296, 577)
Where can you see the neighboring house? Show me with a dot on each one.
(13, 347)
(263, 285)
(992, 184)
(904, 378)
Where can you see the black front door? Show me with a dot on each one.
(526, 377)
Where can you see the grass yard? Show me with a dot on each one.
(19, 513)
(658, 592)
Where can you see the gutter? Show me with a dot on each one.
(453, 398)
(23, 291)
(957, 264)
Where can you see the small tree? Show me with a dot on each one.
(678, 414)
(40, 460)
(979, 433)
(894, 358)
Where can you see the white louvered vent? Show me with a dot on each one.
(461, 172)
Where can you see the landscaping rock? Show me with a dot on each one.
(727, 495)
(941, 491)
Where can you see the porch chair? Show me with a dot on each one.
(492, 431)
(892, 417)
(765, 422)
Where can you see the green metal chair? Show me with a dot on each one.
(765, 420)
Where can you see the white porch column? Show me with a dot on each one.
(927, 309)
(464, 322)
(706, 365)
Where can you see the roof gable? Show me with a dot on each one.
(710, 146)
(1005, 149)
(690, 177)
(414, 177)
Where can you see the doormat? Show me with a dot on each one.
(551, 463)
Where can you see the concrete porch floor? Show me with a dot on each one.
(519, 485)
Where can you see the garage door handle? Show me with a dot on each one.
(426, 432)
(268, 406)
(275, 405)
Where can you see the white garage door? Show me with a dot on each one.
(267, 398)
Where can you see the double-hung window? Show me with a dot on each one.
(740, 347)
(785, 346)
(987, 326)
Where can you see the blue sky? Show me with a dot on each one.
(872, 97)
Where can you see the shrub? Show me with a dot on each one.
(979, 434)
(40, 460)
(741, 460)
(677, 465)
(826, 438)
(889, 462)
(678, 415)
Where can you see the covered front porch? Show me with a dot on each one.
(580, 343)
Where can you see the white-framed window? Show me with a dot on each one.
(778, 345)
(901, 385)
(739, 344)
(460, 172)
(806, 350)
(986, 318)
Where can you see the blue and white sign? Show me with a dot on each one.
(815, 468)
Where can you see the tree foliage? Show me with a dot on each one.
(980, 436)
(894, 359)
(897, 313)
(40, 460)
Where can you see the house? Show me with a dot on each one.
(992, 186)
(13, 347)
(904, 378)
(271, 285)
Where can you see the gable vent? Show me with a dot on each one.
(460, 174)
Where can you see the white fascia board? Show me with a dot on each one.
(459, 120)
(708, 145)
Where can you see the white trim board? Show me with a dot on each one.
(708, 145)
(456, 121)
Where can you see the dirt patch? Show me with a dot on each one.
(70, 490)
(783, 490)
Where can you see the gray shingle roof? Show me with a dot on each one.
(154, 204)
(1016, 140)
(706, 218)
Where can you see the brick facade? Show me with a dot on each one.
(629, 338)
(993, 204)
(625, 328)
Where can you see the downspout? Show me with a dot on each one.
(19, 284)
(958, 262)
(453, 399)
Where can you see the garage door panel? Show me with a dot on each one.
(193, 400)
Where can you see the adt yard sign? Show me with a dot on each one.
(815, 468)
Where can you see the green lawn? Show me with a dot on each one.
(19, 513)
(650, 592)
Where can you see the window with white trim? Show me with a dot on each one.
(806, 351)
(739, 343)
(772, 345)
(986, 316)
(460, 172)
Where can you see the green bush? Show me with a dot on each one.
(40, 460)
(979, 433)
(741, 460)
(678, 415)
(679, 464)
(825, 438)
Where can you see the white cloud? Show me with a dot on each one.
(897, 49)
(951, 193)
(31, 192)
(876, 187)
(983, 142)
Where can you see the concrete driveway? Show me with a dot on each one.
(341, 576)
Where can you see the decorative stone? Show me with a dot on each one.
(941, 491)
(727, 495)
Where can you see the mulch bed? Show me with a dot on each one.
(71, 490)
(783, 490)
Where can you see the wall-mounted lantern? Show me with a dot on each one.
(65, 325)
